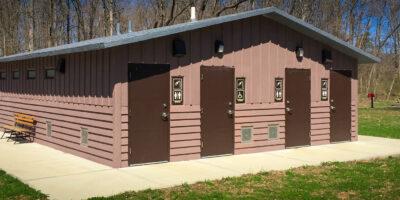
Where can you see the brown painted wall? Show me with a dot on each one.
(95, 87)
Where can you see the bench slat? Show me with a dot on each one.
(24, 118)
(18, 122)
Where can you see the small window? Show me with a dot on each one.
(84, 136)
(247, 134)
(3, 75)
(273, 131)
(31, 73)
(49, 126)
(50, 73)
(15, 75)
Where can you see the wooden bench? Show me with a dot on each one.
(24, 127)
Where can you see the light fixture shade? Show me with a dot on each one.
(61, 65)
(219, 47)
(326, 56)
(178, 48)
(299, 52)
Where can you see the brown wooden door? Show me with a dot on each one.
(297, 105)
(340, 101)
(149, 94)
(217, 128)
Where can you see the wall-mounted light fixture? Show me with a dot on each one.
(299, 52)
(178, 48)
(219, 46)
(61, 65)
(326, 56)
(278, 89)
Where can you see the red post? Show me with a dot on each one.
(371, 96)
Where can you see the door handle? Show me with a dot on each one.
(230, 112)
(164, 116)
(288, 109)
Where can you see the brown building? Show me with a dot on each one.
(250, 82)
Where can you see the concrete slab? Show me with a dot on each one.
(64, 176)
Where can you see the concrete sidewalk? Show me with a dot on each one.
(64, 176)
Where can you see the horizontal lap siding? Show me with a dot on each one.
(124, 136)
(354, 121)
(259, 116)
(185, 133)
(320, 123)
(95, 88)
(258, 54)
(79, 98)
(67, 121)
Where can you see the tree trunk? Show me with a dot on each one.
(68, 21)
(370, 77)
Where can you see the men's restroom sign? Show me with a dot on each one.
(177, 90)
(240, 90)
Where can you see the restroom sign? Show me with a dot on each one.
(324, 89)
(177, 90)
(240, 90)
(278, 89)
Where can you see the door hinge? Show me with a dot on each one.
(201, 144)
(201, 110)
(201, 76)
(130, 150)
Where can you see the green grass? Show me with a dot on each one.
(12, 188)
(375, 179)
(381, 121)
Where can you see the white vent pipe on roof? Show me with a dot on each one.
(118, 29)
(193, 14)
(129, 26)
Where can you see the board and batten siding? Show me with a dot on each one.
(259, 49)
(80, 98)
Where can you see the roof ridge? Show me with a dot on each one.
(138, 36)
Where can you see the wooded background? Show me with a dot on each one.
(372, 25)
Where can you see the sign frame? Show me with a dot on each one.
(175, 89)
(240, 90)
(324, 89)
(278, 92)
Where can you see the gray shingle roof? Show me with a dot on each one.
(271, 12)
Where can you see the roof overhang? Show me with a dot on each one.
(129, 38)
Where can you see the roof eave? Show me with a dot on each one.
(270, 12)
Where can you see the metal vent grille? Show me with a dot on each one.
(273, 131)
(84, 136)
(247, 134)
(49, 126)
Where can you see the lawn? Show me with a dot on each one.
(12, 188)
(375, 179)
(381, 121)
